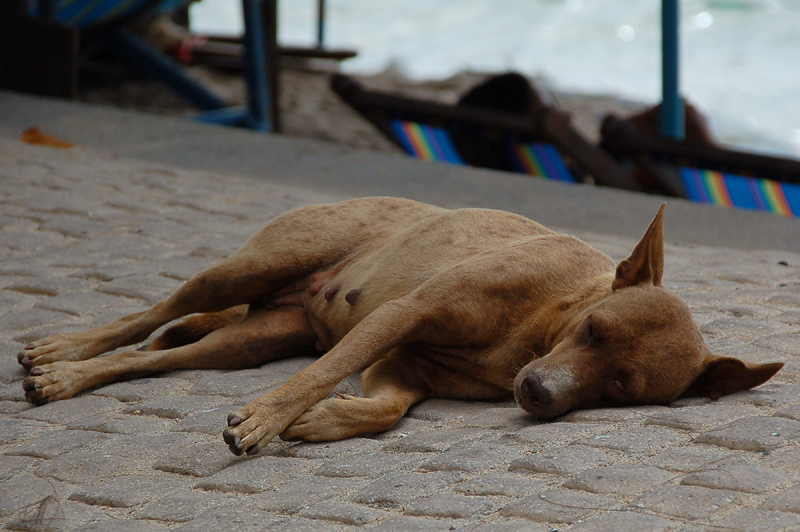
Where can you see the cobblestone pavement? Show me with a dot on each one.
(88, 237)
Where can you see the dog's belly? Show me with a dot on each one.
(339, 297)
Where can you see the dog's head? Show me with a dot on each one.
(639, 345)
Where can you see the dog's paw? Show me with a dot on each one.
(51, 382)
(252, 427)
(329, 420)
(56, 348)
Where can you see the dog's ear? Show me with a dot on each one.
(646, 263)
(724, 376)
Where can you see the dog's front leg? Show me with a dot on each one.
(253, 426)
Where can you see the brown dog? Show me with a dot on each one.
(472, 304)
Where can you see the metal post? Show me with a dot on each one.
(258, 86)
(320, 23)
(672, 114)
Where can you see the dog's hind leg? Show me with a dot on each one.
(389, 390)
(263, 336)
(287, 249)
(193, 328)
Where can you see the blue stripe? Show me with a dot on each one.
(558, 163)
(429, 133)
(446, 143)
(694, 185)
(400, 133)
(740, 191)
(792, 193)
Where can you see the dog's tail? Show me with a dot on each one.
(195, 328)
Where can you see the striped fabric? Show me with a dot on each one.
(543, 160)
(426, 142)
(84, 13)
(731, 190)
(434, 144)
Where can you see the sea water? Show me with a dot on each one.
(739, 59)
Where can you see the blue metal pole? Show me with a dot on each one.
(258, 88)
(672, 114)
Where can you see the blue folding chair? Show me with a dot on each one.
(105, 20)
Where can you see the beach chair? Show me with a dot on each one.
(706, 173)
(542, 143)
(103, 22)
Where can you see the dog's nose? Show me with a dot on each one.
(533, 390)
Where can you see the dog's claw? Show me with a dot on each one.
(233, 420)
(252, 450)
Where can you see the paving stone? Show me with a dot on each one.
(620, 479)
(473, 457)
(432, 441)
(688, 502)
(558, 506)
(550, 435)
(14, 407)
(400, 489)
(293, 496)
(771, 394)
(452, 506)
(609, 415)
(782, 343)
(177, 407)
(150, 447)
(258, 474)
(127, 491)
(54, 515)
(755, 520)
(753, 434)
(330, 450)
(508, 418)
(502, 484)
(562, 460)
(700, 418)
(80, 303)
(694, 457)
(149, 288)
(15, 430)
(746, 478)
(13, 392)
(115, 423)
(123, 525)
(509, 525)
(12, 465)
(10, 370)
(371, 465)
(791, 412)
(231, 519)
(76, 467)
(237, 383)
(201, 460)
(141, 389)
(45, 286)
(22, 491)
(30, 319)
(786, 501)
(448, 409)
(625, 520)
(57, 443)
(788, 461)
(404, 524)
(349, 514)
(63, 412)
(638, 440)
(301, 524)
(184, 506)
(406, 427)
(211, 420)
